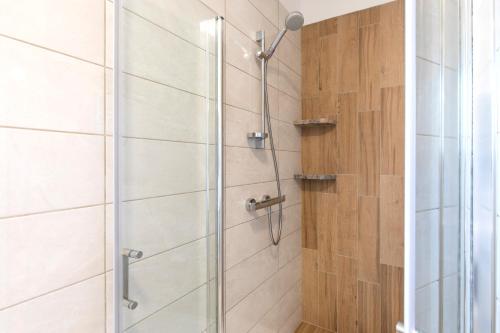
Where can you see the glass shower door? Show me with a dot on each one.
(439, 218)
(166, 167)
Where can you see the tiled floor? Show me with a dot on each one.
(308, 328)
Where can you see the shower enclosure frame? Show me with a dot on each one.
(410, 56)
(118, 263)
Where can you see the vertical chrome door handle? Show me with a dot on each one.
(126, 254)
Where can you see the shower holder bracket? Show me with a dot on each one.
(257, 136)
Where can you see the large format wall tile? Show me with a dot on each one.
(172, 16)
(244, 16)
(246, 239)
(163, 57)
(75, 28)
(428, 172)
(155, 225)
(249, 311)
(428, 98)
(289, 108)
(269, 8)
(47, 171)
(278, 315)
(149, 169)
(243, 278)
(75, 309)
(428, 24)
(160, 280)
(427, 249)
(156, 111)
(72, 251)
(188, 314)
(47, 90)
(247, 166)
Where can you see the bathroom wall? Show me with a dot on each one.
(352, 228)
(56, 189)
(53, 168)
(263, 281)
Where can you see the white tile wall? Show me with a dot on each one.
(428, 98)
(52, 141)
(427, 247)
(44, 171)
(40, 253)
(56, 188)
(66, 92)
(427, 308)
(75, 28)
(78, 308)
(257, 300)
(428, 172)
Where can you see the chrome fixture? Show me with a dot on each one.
(219, 183)
(126, 254)
(253, 205)
(294, 21)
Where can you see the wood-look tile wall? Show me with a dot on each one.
(352, 235)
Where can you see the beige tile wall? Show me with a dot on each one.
(52, 173)
(55, 176)
(262, 281)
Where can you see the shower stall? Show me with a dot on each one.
(234, 166)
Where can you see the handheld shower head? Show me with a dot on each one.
(294, 21)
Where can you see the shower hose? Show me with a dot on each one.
(275, 239)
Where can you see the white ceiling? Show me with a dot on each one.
(319, 10)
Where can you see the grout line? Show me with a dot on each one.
(165, 29)
(49, 211)
(273, 306)
(51, 50)
(103, 274)
(166, 195)
(293, 312)
(262, 283)
(49, 130)
(253, 254)
(163, 84)
(167, 305)
(166, 140)
(176, 247)
(438, 64)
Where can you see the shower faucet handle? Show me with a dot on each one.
(253, 205)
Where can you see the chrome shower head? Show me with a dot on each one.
(294, 21)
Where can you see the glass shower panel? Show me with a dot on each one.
(166, 155)
(438, 191)
(483, 175)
